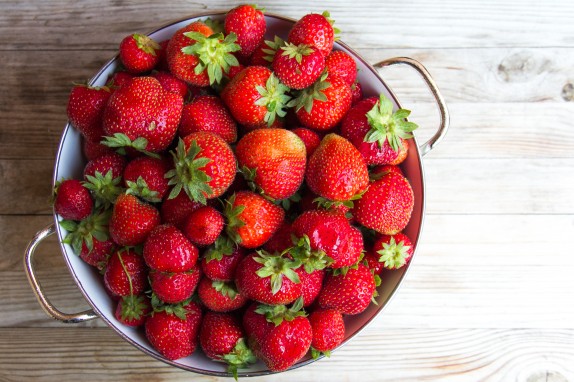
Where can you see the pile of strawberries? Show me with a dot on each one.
(239, 194)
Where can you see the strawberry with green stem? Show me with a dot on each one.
(298, 66)
(139, 53)
(84, 232)
(220, 296)
(265, 52)
(132, 220)
(220, 260)
(393, 251)
(145, 177)
(72, 201)
(328, 331)
(316, 30)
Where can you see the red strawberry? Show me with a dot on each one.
(168, 250)
(73, 201)
(174, 287)
(109, 162)
(255, 97)
(175, 211)
(270, 279)
(316, 30)
(376, 131)
(328, 331)
(341, 64)
(142, 115)
(99, 254)
(126, 273)
(276, 158)
(371, 260)
(119, 79)
(174, 334)
(94, 149)
(139, 53)
(204, 167)
(379, 171)
(183, 65)
(171, 83)
(88, 235)
(336, 170)
(393, 251)
(220, 260)
(145, 177)
(221, 338)
(324, 104)
(265, 52)
(281, 239)
(203, 226)
(252, 219)
(349, 293)
(132, 220)
(311, 285)
(220, 296)
(310, 138)
(85, 110)
(357, 92)
(162, 64)
(207, 113)
(248, 24)
(132, 310)
(298, 66)
(387, 204)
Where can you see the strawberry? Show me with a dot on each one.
(387, 204)
(119, 79)
(132, 310)
(207, 113)
(298, 66)
(132, 220)
(269, 279)
(109, 162)
(265, 52)
(162, 64)
(311, 285)
(276, 158)
(337, 170)
(255, 97)
(378, 172)
(341, 64)
(316, 30)
(126, 273)
(251, 219)
(203, 226)
(221, 259)
(204, 167)
(248, 24)
(94, 149)
(85, 110)
(393, 251)
(281, 239)
(220, 296)
(171, 83)
(323, 105)
(145, 177)
(310, 138)
(371, 260)
(72, 200)
(168, 250)
(175, 211)
(138, 53)
(99, 254)
(357, 93)
(221, 338)
(376, 131)
(173, 288)
(328, 331)
(86, 235)
(350, 292)
(174, 331)
(142, 115)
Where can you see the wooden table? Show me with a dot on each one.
(490, 293)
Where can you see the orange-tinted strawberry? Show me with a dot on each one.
(175, 211)
(139, 53)
(220, 260)
(328, 331)
(203, 226)
(73, 201)
(168, 250)
(85, 110)
(174, 287)
(276, 158)
(316, 30)
(171, 83)
(207, 113)
(220, 296)
(341, 64)
(248, 24)
(126, 273)
(394, 251)
(310, 138)
(350, 292)
(132, 220)
(145, 177)
(298, 66)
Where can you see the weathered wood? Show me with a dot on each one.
(26, 186)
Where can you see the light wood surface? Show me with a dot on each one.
(489, 296)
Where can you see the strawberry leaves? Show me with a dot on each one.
(277, 267)
(120, 141)
(94, 226)
(274, 97)
(394, 254)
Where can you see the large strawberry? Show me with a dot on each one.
(248, 24)
(132, 220)
(393, 251)
(125, 273)
(174, 287)
(168, 250)
(207, 113)
(350, 292)
(139, 53)
(142, 115)
(276, 158)
(86, 110)
(316, 30)
(145, 177)
(72, 201)
(220, 296)
(298, 66)
(328, 331)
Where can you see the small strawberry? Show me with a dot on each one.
(316, 30)
(99, 254)
(174, 287)
(328, 331)
(265, 52)
(248, 24)
(357, 92)
(171, 83)
(126, 273)
(378, 172)
(207, 113)
(85, 233)
(203, 226)
(132, 310)
(175, 211)
(221, 259)
(220, 296)
(387, 204)
(336, 170)
(350, 292)
(298, 66)
(139, 53)
(94, 149)
(132, 220)
(394, 251)
(145, 177)
(168, 250)
(85, 110)
(276, 158)
(72, 201)
(371, 260)
(109, 162)
(310, 138)
(311, 285)
(341, 64)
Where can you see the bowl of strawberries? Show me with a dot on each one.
(237, 193)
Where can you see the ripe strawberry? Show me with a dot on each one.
(281, 239)
(94, 149)
(207, 113)
(298, 66)
(393, 251)
(82, 235)
(72, 200)
(251, 219)
(85, 110)
(316, 30)
(311, 285)
(113, 162)
(387, 204)
(349, 293)
(276, 158)
(138, 53)
(357, 92)
(310, 138)
(336, 170)
(255, 97)
(99, 254)
(126, 273)
(174, 332)
(323, 105)
(220, 296)
(142, 115)
(171, 83)
(168, 250)
(341, 64)
(174, 287)
(221, 338)
(203, 226)
(132, 220)
(204, 167)
(328, 331)
(118, 79)
(132, 310)
(248, 24)
(371, 260)
(175, 211)
(265, 52)
(221, 259)
(269, 279)
(376, 131)
(145, 177)
(379, 171)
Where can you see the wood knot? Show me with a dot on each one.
(520, 67)
(568, 92)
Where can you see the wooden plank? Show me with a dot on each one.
(26, 186)
(364, 24)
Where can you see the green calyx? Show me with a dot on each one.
(317, 353)
(105, 189)
(388, 126)
(175, 309)
(276, 314)
(276, 267)
(215, 25)
(232, 214)
(120, 141)
(226, 289)
(146, 44)
(214, 54)
(309, 95)
(272, 48)
(240, 357)
(140, 188)
(94, 226)
(188, 174)
(274, 98)
(296, 51)
(223, 246)
(394, 255)
(133, 307)
(336, 31)
(312, 260)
